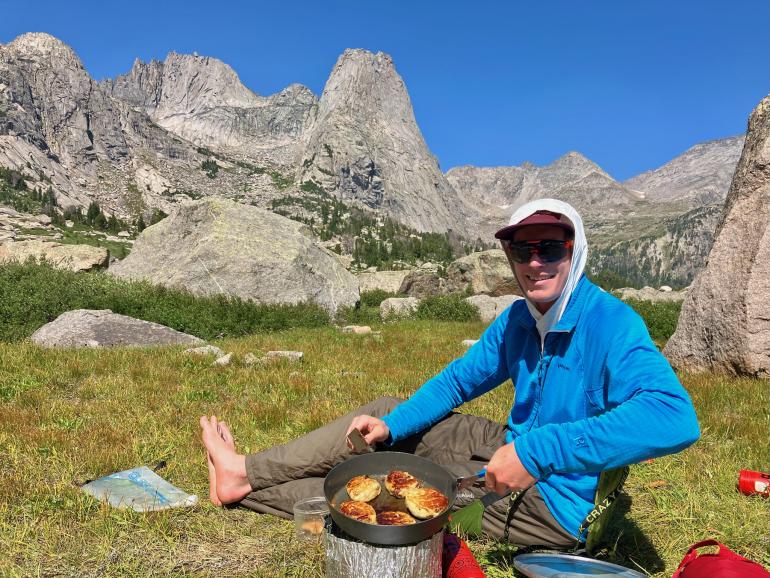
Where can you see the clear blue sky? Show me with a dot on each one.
(628, 84)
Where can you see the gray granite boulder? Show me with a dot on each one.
(421, 284)
(103, 328)
(218, 246)
(398, 307)
(290, 356)
(485, 272)
(357, 329)
(650, 294)
(491, 307)
(205, 350)
(223, 360)
(72, 257)
(724, 325)
(389, 281)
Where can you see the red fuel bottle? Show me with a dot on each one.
(754, 483)
(458, 560)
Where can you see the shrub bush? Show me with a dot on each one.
(375, 297)
(660, 316)
(210, 167)
(363, 315)
(33, 294)
(447, 308)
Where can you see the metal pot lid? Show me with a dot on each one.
(567, 565)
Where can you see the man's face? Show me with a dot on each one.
(541, 282)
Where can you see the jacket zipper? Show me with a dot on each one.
(539, 384)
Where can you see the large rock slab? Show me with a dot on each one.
(389, 281)
(650, 294)
(489, 307)
(72, 257)
(486, 272)
(398, 307)
(725, 321)
(422, 284)
(103, 328)
(216, 246)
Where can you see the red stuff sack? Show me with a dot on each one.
(458, 560)
(724, 564)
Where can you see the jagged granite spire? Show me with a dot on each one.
(366, 146)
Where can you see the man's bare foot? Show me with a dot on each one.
(227, 437)
(229, 468)
(212, 481)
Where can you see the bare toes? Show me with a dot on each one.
(227, 437)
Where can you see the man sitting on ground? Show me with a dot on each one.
(591, 392)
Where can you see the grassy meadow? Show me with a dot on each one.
(70, 416)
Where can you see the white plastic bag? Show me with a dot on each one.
(140, 489)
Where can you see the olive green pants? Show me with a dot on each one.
(283, 475)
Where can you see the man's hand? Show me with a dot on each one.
(373, 429)
(505, 472)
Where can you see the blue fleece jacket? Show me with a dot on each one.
(598, 395)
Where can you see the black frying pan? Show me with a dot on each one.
(379, 464)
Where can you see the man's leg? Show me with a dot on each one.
(455, 439)
(279, 500)
(313, 454)
(464, 444)
(235, 477)
(532, 523)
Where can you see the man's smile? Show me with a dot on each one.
(540, 277)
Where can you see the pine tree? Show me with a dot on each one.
(93, 212)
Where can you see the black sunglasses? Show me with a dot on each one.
(548, 250)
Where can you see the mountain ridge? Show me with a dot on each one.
(187, 127)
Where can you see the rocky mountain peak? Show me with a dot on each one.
(43, 46)
(295, 93)
(53, 105)
(361, 56)
(699, 176)
(365, 145)
(496, 191)
(141, 86)
(574, 164)
(367, 83)
(202, 100)
(193, 83)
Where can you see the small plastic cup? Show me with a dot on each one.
(309, 517)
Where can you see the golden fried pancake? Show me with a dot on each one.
(363, 488)
(425, 503)
(398, 482)
(360, 511)
(394, 518)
